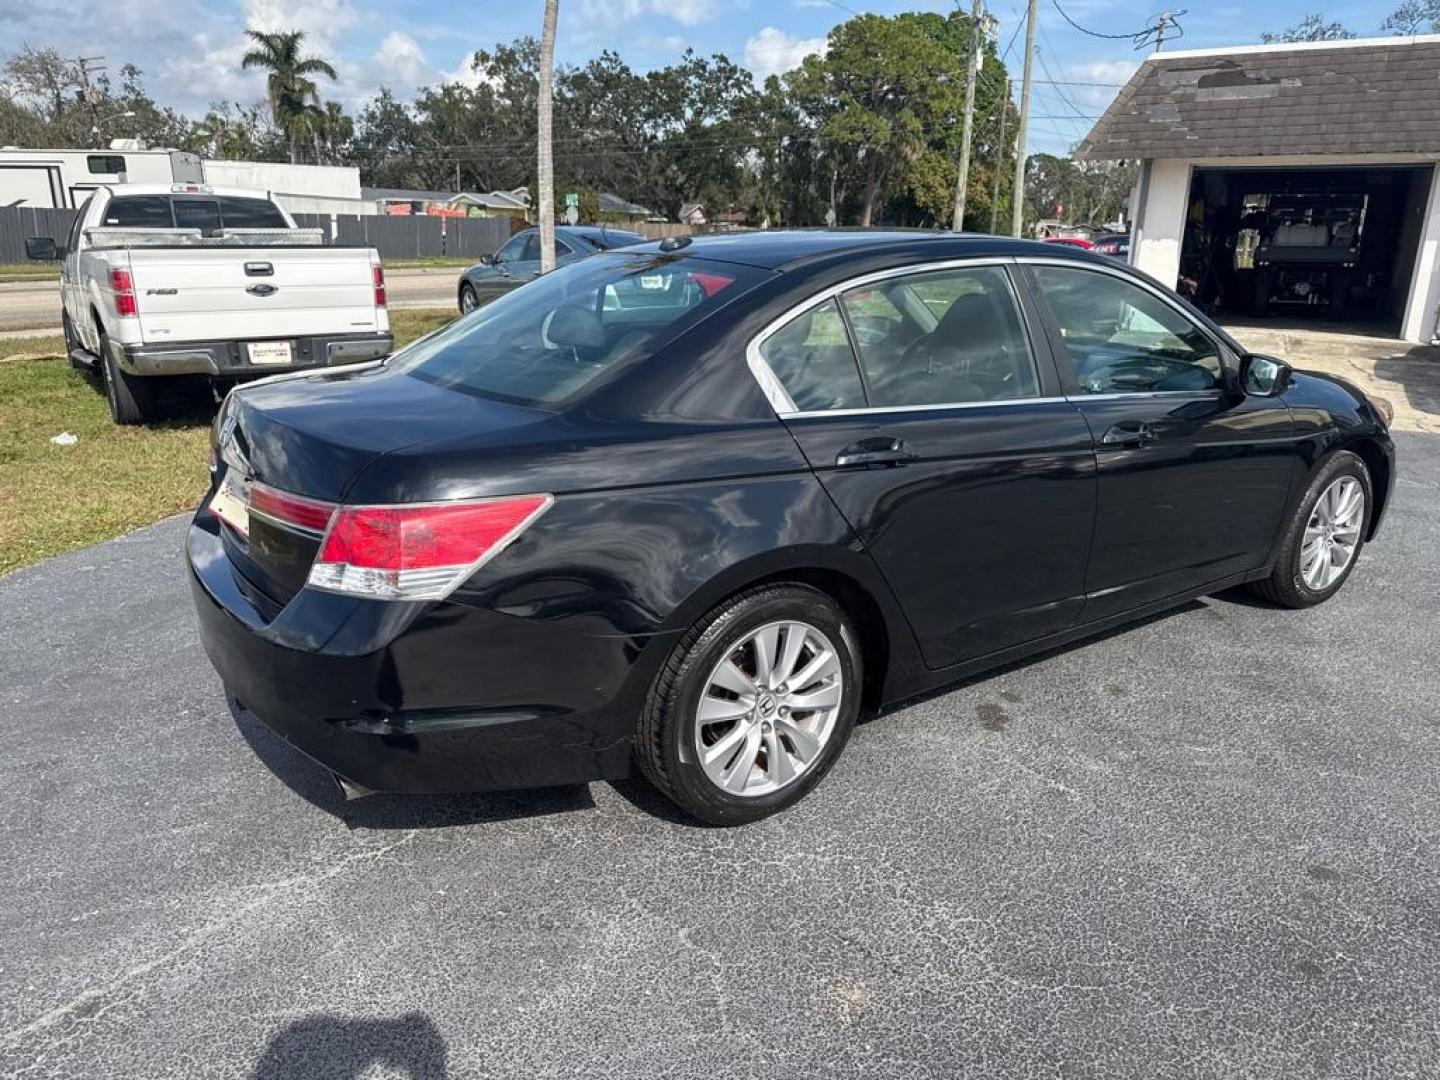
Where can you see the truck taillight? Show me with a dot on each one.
(123, 286)
(418, 552)
(378, 275)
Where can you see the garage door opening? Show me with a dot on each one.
(1304, 245)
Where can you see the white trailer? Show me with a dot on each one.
(63, 179)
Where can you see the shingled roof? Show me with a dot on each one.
(1369, 96)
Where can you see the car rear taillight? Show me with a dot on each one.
(123, 286)
(377, 274)
(309, 515)
(418, 552)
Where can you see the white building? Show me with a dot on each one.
(1289, 181)
(65, 178)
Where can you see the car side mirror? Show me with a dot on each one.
(1263, 376)
(487, 260)
(41, 249)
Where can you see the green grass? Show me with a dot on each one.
(36, 271)
(115, 479)
(431, 260)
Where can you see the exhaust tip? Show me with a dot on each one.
(350, 789)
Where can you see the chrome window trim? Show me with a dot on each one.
(803, 414)
(779, 398)
(1223, 351)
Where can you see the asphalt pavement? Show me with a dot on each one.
(1205, 846)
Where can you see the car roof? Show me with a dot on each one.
(785, 249)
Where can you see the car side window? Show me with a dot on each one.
(512, 249)
(812, 358)
(1121, 338)
(946, 337)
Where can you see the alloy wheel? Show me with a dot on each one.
(769, 708)
(1333, 533)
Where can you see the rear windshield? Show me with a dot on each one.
(546, 341)
(193, 212)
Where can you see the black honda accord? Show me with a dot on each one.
(694, 507)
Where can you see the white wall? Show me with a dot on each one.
(1418, 324)
(319, 181)
(1160, 220)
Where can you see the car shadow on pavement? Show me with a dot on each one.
(1418, 371)
(326, 1047)
(313, 783)
(1199, 604)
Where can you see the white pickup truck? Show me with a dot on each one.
(185, 280)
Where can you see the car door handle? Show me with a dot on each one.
(874, 453)
(1128, 434)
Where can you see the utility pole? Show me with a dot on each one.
(546, 155)
(995, 191)
(1163, 20)
(972, 71)
(1017, 212)
(87, 66)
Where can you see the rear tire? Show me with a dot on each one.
(785, 738)
(131, 397)
(1298, 579)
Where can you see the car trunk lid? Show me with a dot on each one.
(292, 447)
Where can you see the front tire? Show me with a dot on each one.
(468, 300)
(1324, 539)
(753, 706)
(131, 397)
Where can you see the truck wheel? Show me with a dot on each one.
(131, 398)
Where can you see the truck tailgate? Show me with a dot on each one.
(225, 294)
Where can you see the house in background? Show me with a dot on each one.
(1288, 180)
(403, 202)
(692, 214)
(618, 209)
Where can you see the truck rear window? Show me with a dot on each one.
(546, 342)
(193, 212)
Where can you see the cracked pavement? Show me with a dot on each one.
(1205, 846)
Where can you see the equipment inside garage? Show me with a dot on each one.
(1337, 244)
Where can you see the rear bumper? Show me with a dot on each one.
(419, 697)
(230, 358)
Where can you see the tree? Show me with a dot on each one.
(1414, 17)
(293, 95)
(545, 161)
(1311, 28)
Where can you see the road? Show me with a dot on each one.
(1205, 846)
(35, 305)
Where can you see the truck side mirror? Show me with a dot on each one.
(41, 249)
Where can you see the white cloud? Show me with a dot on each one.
(1096, 98)
(320, 20)
(773, 52)
(399, 61)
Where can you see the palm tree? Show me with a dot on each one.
(294, 97)
(546, 164)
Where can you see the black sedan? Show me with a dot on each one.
(518, 260)
(694, 507)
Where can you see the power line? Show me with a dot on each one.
(1140, 38)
